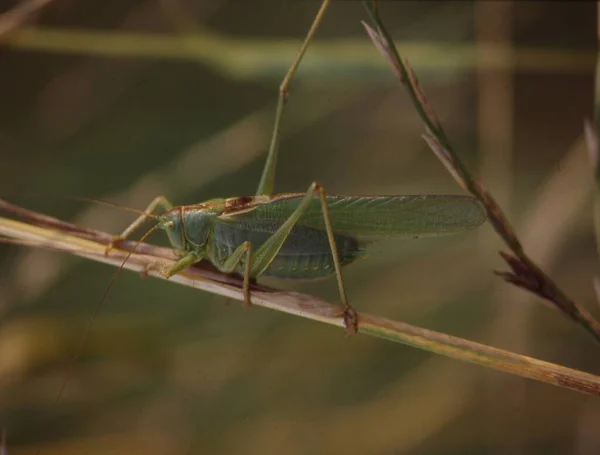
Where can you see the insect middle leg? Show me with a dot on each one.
(259, 260)
(229, 265)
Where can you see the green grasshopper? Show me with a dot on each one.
(300, 235)
(307, 235)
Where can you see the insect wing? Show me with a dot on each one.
(372, 217)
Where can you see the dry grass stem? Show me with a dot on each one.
(42, 231)
(524, 272)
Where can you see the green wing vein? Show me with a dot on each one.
(373, 216)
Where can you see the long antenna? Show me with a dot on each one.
(96, 201)
(110, 204)
(93, 318)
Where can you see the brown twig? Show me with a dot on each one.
(47, 232)
(524, 272)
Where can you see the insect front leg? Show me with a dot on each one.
(159, 201)
(183, 263)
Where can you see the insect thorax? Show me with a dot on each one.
(197, 227)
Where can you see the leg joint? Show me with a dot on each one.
(314, 186)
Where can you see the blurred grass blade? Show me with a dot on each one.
(262, 59)
(592, 143)
(19, 15)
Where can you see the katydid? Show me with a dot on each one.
(299, 235)
(306, 235)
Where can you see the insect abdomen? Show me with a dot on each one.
(307, 265)
(305, 254)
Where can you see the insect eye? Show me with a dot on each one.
(171, 224)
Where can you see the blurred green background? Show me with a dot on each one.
(124, 100)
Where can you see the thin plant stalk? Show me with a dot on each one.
(41, 231)
(524, 272)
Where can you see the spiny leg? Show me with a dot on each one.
(183, 263)
(230, 265)
(350, 315)
(159, 201)
(229, 299)
(267, 179)
(264, 255)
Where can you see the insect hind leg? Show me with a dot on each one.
(350, 314)
(265, 254)
(267, 180)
